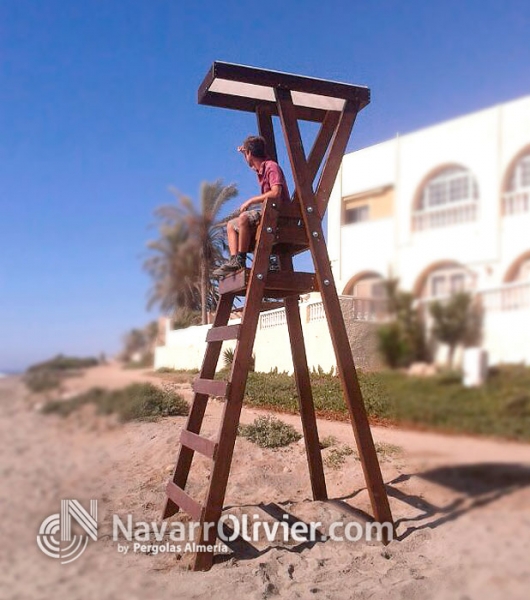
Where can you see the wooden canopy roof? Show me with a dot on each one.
(240, 87)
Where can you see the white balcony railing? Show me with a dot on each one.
(509, 297)
(353, 309)
(272, 318)
(445, 216)
(315, 312)
(515, 203)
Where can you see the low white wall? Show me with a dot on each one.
(185, 348)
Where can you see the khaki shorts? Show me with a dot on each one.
(254, 217)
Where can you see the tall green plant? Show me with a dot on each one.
(402, 339)
(456, 321)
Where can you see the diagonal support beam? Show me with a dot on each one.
(337, 329)
(320, 145)
(336, 152)
(325, 134)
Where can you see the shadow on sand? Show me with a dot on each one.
(475, 485)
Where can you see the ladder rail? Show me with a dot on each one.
(198, 406)
(238, 378)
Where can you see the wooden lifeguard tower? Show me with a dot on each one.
(284, 231)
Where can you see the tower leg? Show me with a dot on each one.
(305, 400)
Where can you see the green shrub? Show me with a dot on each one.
(48, 375)
(269, 432)
(385, 450)
(337, 457)
(278, 391)
(42, 381)
(228, 357)
(393, 345)
(145, 400)
(457, 320)
(134, 402)
(328, 441)
(63, 363)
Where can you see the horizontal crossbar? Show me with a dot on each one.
(277, 284)
(183, 501)
(212, 387)
(197, 443)
(226, 332)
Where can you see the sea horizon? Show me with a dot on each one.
(10, 372)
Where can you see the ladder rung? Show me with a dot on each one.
(226, 332)
(183, 501)
(234, 282)
(200, 444)
(212, 387)
(292, 283)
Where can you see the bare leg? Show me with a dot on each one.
(232, 239)
(244, 233)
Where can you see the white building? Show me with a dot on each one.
(443, 209)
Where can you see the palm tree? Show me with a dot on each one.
(172, 268)
(191, 244)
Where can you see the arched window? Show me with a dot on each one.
(448, 198)
(368, 297)
(516, 197)
(367, 285)
(445, 280)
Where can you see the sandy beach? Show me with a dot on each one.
(461, 505)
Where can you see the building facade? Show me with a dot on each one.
(444, 209)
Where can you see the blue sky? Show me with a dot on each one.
(98, 117)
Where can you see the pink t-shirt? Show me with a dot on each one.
(270, 174)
